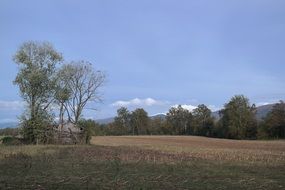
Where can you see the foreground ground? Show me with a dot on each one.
(146, 162)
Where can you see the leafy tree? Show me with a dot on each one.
(36, 80)
(122, 121)
(221, 127)
(83, 83)
(9, 132)
(180, 120)
(139, 122)
(238, 119)
(111, 129)
(157, 126)
(203, 122)
(90, 127)
(274, 123)
(38, 129)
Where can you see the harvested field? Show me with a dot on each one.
(257, 152)
(145, 162)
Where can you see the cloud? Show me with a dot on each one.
(214, 108)
(186, 106)
(191, 107)
(158, 113)
(138, 102)
(11, 105)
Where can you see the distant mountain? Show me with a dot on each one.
(8, 125)
(106, 120)
(262, 111)
(158, 116)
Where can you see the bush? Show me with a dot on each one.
(88, 127)
(11, 141)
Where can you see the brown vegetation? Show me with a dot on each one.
(145, 162)
(263, 152)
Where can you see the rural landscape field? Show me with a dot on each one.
(142, 95)
(146, 162)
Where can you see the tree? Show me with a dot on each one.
(203, 122)
(274, 123)
(158, 126)
(139, 122)
(180, 120)
(122, 121)
(238, 118)
(82, 83)
(36, 80)
(89, 129)
(62, 95)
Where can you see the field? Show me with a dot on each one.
(146, 162)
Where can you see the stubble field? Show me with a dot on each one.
(146, 162)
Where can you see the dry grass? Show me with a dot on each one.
(255, 152)
(145, 162)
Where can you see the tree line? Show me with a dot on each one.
(237, 121)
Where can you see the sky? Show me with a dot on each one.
(155, 53)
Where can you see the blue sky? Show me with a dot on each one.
(156, 53)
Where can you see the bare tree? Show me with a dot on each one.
(82, 83)
(61, 97)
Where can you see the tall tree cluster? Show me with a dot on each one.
(136, 122)
(237, 121)
(180, 120)
(203, 122)
(45, 84)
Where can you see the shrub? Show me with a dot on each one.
(11, 141)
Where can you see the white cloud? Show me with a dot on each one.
(186, 106)
(191, 107)
(11, 105)
(214, 108)
(159, 113)
(138, 102)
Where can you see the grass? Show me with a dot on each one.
(146, 162)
